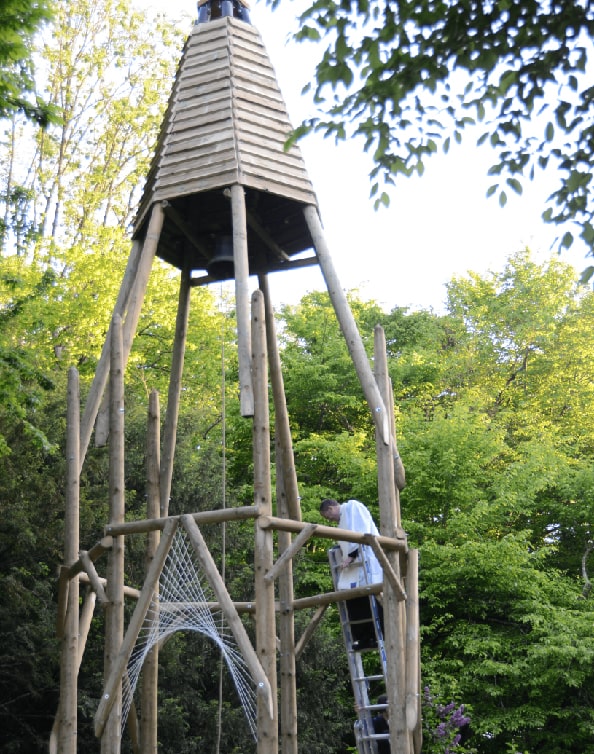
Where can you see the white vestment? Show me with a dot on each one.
(366, 568)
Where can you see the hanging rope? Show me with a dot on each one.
(224, 505)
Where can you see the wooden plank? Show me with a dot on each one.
(300, 194)
(216, 181)
(198, 101)
(219, 174)
(221, 154)
(205, 79)
(275, 165)
(257, 144)
(258, 121)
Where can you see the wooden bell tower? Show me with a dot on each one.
(225, 199)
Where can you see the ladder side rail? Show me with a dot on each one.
(363, 727)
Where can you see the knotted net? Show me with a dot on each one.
(185, 603)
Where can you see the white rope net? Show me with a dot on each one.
(183, 606)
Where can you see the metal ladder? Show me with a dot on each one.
(356, 615)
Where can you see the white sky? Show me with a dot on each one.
(437, 227)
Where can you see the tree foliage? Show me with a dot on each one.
(409, 77)
(19, 22)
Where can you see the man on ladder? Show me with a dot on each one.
(359, 567)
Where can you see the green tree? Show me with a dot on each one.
(408, 77)
(20, 20)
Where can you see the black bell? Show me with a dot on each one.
(221, 266)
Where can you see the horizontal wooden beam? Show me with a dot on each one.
(332, 532)
(241, 513)
(343, 595)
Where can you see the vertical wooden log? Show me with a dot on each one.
(242, 300)
(348, 325)
(131, 298)
(287, 504)
(175, 383)
(150, 669)
(114, 613)
(394, 609)
(290, 492)
(389, 498)
(263, 551)
(399, 471)
(67, 733)
(413, 651)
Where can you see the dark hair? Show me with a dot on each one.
(327, 502)
(382, 699)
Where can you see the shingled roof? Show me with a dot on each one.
(227, 124)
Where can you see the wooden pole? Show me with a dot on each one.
(120, 662)
(114, 613)
(98, 549)
(309, 630)
(263, 550)
(95, 581)
(289, 552)
(102, 372)
(290, 501)
(332, 532)
(86, 616)
(150, 669)
(413, 652)
(287, 503)
(242, 300)
(129, 591)
(399, 470)
(241, 513)
(348, 325)
(67, 733)
(218, 586)
(175, 383)
(394, 611)
(341, 595)
(388, 494)
(288, 675)
(137, 281)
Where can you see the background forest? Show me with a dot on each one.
(494, 414)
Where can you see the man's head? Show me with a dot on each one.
(330, 509)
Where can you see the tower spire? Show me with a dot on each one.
(209, 10)
(227, 125)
